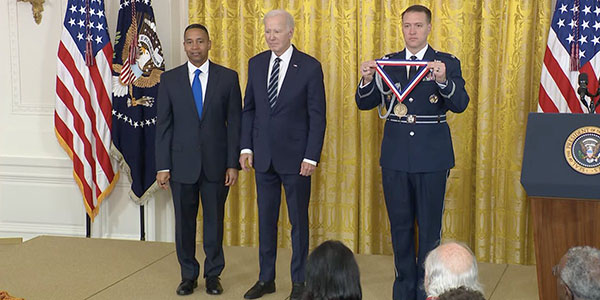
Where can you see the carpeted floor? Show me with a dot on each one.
(48, 268)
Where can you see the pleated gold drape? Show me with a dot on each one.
(500, 44)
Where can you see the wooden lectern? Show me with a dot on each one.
(565, 203)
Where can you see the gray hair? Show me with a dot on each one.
(280, 12)
(450, 265)
(581, 272)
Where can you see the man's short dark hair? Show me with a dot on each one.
(461, 293)
(196, 26)
(419, 8)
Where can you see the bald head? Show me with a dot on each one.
(450, 265)
(456, 258)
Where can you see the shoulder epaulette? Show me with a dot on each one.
(440, 53)
(389, 55)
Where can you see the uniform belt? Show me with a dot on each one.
(418, 119)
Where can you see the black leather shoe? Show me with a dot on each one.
(297, 291)
(187, 287)
(259, 289)
(213, 285)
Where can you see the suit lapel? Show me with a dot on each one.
(291, 75)
(262, 72)
(211, 86)
(185, 88)
(429, 54)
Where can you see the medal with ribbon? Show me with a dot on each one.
(400, 109)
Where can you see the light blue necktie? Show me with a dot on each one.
(197, 90)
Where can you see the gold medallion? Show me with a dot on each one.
(400, 110)
(433, 98)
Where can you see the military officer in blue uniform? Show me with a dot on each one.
(416, 152)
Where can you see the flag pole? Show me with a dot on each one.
(142, 224)
(88, 226)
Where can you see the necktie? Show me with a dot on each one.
(273, 83)
(197, 90)
(413, 69)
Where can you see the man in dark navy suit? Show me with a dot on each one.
(197, 152)
(416, 152)
(282, 137)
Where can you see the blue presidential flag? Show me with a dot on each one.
(137, 64)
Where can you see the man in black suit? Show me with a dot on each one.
(282, 137)
(416, 151)
(197, 152)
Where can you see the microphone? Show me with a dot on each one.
(583, 83)
(583, 91)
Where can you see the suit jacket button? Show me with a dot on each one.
(411, 133)
(411, 99)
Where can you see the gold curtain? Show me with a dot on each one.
(500, 44)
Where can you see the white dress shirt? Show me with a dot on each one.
(283, 66)
(419, 56)
(203, 76)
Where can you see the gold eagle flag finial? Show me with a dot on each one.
(37, 7)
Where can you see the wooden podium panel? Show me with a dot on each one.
(560, 224)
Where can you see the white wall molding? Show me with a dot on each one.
(28, 161)
(38, 195)
(49, 170)
(33, 178)
(41, 229)
(14, 54)
(40, 107)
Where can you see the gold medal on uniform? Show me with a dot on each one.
(400, 110)
(433, 98)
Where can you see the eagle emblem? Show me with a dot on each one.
(143, 62)
(582, 150)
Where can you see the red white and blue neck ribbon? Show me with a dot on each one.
(401, 95)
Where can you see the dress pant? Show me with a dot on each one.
(297, 194)
(186, 201)
(409, 196)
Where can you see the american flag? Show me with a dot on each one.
(573, 45)
(82, 118)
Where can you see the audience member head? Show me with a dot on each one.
(578, 274)
(461, 293)
(332, 273)
(450, 265)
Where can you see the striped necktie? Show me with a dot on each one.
(273, 83)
